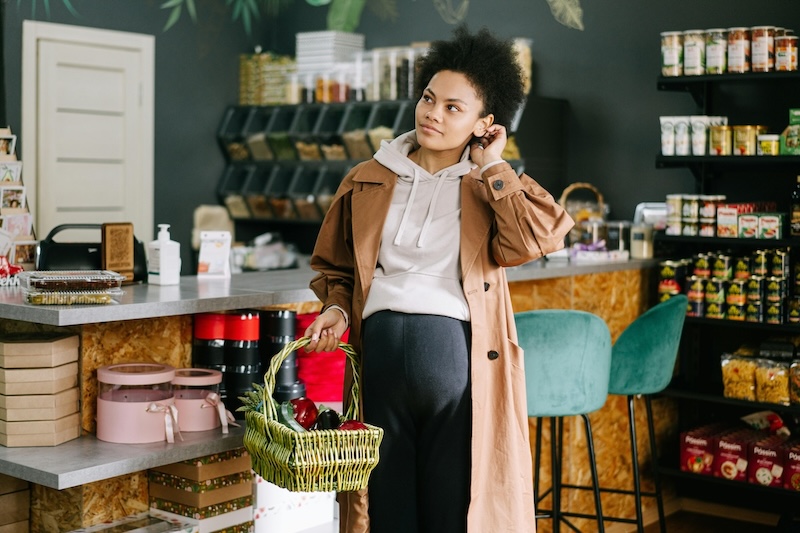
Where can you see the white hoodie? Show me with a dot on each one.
(418, 267)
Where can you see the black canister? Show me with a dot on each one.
(208, 343)
(278, 328)
(242, 357)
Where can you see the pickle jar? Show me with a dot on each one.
(738, 50)
(694, 53)
(762, 48)
(716, 51)
(671, 53)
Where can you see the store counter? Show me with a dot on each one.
(154, 323)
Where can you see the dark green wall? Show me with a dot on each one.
(607, 73)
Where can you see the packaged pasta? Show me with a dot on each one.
(794, 381)
(772, 381)
(738, 377)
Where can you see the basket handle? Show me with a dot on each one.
(581, 185)
(270, 405)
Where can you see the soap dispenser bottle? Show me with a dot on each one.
(163, 259)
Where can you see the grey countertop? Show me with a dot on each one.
(241, 291)
(88, 459)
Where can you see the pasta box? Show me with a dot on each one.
(766, 461)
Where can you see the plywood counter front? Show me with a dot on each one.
(85, 482)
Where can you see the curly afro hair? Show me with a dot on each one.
(489, 63)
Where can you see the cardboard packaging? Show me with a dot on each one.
(40, 406)
(12, 484)
(40, 350)
(38, 380)
(210, 466)
(200, 494)
(15, 507)
(239, 521)
(141, 523)
(23, 526)
(40, 433)
(202, 512)
(278, 510)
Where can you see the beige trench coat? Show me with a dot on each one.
(506, 220)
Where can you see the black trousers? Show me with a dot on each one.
(416, 386)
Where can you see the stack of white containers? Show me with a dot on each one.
(39, 395)
(319, 51)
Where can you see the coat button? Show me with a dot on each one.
(485, 286)
(498, 185)
(493, 355)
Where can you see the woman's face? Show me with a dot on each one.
(448, 114)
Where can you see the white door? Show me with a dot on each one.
(87, 127)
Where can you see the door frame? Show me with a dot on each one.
(35, 31)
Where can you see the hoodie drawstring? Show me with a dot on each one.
(407, 210)
(431, 208)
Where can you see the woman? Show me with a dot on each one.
(411, 257)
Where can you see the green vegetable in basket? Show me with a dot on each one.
(286, 417)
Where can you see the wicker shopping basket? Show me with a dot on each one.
(310, 461)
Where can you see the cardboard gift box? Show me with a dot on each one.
(40, 406)
(23, 526)
(39, 350)
(40, 433)
(210, 466)
(12, 484)
(15, 507)
(239, 521)
(38, 380)
(278, 510)
(202, 512)
(200, 493)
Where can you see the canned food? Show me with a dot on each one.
(786, 53)
(694, 53)
(715, 310)
(735, 292)
(696, 288)
(715, 291)
(716, 51)
(773, 312)
(672, 275)
(738, 50)
(754, 312)
(793, 310)
(741, 267)
(735, 312)
(690, 229)
(690, 207)
(780, 264)
(744, 139)
(707, 229)
(754, 289)
(671, 53)
(761, 263)
(722, 267)
(767, 144)
(696, 308)
(674, 206)
(719, 140)
(774, 289)
(762, 48)
(702, 265)
(708, 206)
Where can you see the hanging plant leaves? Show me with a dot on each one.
(383, 9)
(450, 14)
(345, 15)
(567, 12)
(318, 2)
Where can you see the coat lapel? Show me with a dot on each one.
(372, 197)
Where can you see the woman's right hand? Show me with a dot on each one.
(325, 331)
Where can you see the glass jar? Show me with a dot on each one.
(197, 398)
(716, 51)
(671, 53)
(135, 403)
(786, 53)
(738, 50)
(694, 53)
(762, 48)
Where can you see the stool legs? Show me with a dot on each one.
(556, 470)
(637, 489)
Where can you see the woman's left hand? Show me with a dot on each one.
(490, 147)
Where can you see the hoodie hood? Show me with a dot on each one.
(394, 156)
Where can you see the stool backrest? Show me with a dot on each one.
(643, 357)
(567, 361)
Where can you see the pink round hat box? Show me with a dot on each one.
(135, 402)
(197, 397)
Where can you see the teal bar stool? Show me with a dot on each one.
(567, 364)
(642, 363)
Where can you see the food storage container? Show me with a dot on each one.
(135, 403)
(198, 401)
